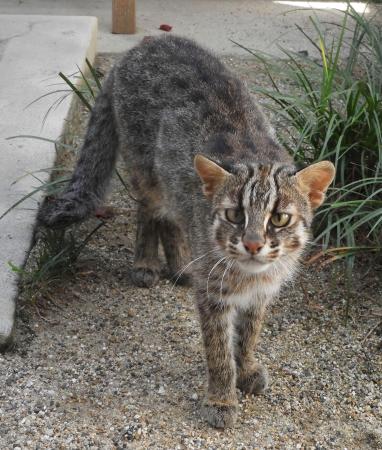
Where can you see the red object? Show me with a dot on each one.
(165, 27)
(104, 212)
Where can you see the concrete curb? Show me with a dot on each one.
(33, 49)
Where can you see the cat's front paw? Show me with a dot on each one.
(144, 276)
(185, 279)
(219, 415)
(254, 381)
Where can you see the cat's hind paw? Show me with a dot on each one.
(255, 381)
(219, 415)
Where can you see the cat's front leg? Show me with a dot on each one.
(146, 266)
(252, 377)
(176, 250)
(220, 405)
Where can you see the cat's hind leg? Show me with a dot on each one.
(146, 267)
(252, 377)
(176, 250)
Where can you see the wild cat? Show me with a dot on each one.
(213, 186)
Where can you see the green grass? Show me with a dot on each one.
(334, 112)
(54, 255)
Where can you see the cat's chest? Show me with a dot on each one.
(253, 293)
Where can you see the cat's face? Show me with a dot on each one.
(260, 216)
(262, 213)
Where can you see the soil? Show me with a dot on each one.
(101, 364)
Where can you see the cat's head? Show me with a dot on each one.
(262, 213)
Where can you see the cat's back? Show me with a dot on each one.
(172, 72)
(166, 54)
(169, 90)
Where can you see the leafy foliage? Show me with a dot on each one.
(335, 113)
(55, 254)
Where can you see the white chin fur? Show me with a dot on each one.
(253, 267)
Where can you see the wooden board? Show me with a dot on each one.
(124, 17)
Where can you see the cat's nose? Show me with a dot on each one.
(253, 247)
(253, 243)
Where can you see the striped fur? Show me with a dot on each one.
(165, 102)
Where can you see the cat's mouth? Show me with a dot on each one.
(253, 264)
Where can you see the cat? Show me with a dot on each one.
(213, 185)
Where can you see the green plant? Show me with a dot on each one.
(335, 112)
(84, 87)
(54, 255)
(87, 88)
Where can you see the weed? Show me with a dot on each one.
(54, 256)
(335, 113)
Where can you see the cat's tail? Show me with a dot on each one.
(93, 171)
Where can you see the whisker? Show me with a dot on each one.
(181, 271)
(227, 268)
(213, 268)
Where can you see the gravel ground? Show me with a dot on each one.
(100, 364)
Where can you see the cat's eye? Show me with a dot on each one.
(234, 215)
(280, 219)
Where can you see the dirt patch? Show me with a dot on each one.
(101, 364)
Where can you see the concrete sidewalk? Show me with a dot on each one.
(33, 49)
(258, 24)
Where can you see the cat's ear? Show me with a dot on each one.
(211, 174)
(315, 180)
